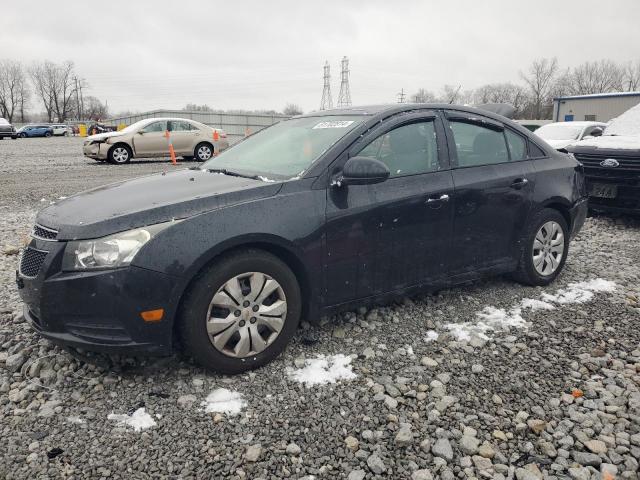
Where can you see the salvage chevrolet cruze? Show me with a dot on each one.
(311, 216)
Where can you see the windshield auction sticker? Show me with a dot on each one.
(336, 124)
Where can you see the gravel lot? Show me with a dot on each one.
(557, 395)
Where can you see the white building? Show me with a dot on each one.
(599, 107)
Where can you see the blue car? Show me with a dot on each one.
(35, 131)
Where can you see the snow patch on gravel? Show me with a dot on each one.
(495, 319)
(76, 420)
(432, 336)
(322, 370)
(580, 292)
(138, 420)
(225, 401)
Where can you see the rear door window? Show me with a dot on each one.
(178, 126)
(478, 145)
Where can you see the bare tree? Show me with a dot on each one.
(94, 109)
(540, 78)
(292, 109)
(55, 86)
(422, 96)
(596, 77)
(631, 77)
(192, 107)
(13, 88)
(510, 93)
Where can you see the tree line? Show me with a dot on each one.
(543, 80)
(55, 86)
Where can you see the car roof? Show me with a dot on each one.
(391, 109)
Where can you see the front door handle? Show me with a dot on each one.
(442, 198)
(518, 183)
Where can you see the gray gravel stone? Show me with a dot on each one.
(375, 464)
(442, 448)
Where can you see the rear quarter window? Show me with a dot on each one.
(517, 145)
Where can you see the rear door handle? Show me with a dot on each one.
(442, 198)
(519, 183)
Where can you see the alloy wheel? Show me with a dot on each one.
(120, 155)
(246, 314)
(204, 152)
(548, 248)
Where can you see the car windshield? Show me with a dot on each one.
(286, 149)
(626, 124)
(559, 131)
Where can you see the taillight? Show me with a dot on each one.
(223, 135)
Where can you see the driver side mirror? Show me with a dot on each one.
(140, 132)
(362, 171)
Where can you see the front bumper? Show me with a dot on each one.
(97, 151)
(98, 310)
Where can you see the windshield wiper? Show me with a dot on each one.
(224, 171)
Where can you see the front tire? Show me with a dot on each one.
(119, 154)
(203, 151)
(23, 135)
(545, 250)
(240, 312)
(47, 134)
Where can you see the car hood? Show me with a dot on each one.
(610, 142)
(149, 200)
(103, 136)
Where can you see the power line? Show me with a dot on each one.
(401, 96)
(326, 103)
(344, 99)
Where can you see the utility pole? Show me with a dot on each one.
(326, 102)
(401, 96)
(344, 99)
(78, 107)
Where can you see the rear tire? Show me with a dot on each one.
(47, 134)
(120, 154)
(203, 151)
(546, 246)
(201, 312)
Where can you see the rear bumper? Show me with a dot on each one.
(100, 310)
(578, 214)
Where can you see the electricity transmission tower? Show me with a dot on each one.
(401, 96)
(344, 99)
(326, 103)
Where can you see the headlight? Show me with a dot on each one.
(113, 251)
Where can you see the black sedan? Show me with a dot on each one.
(311, 216)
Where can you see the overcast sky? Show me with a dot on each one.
(142, 55)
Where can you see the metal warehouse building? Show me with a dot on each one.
(600, 107)
(235, 125)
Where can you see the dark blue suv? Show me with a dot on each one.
(35, 131)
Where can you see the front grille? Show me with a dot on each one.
(44, 233)
(628, 168)
(31, 261)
